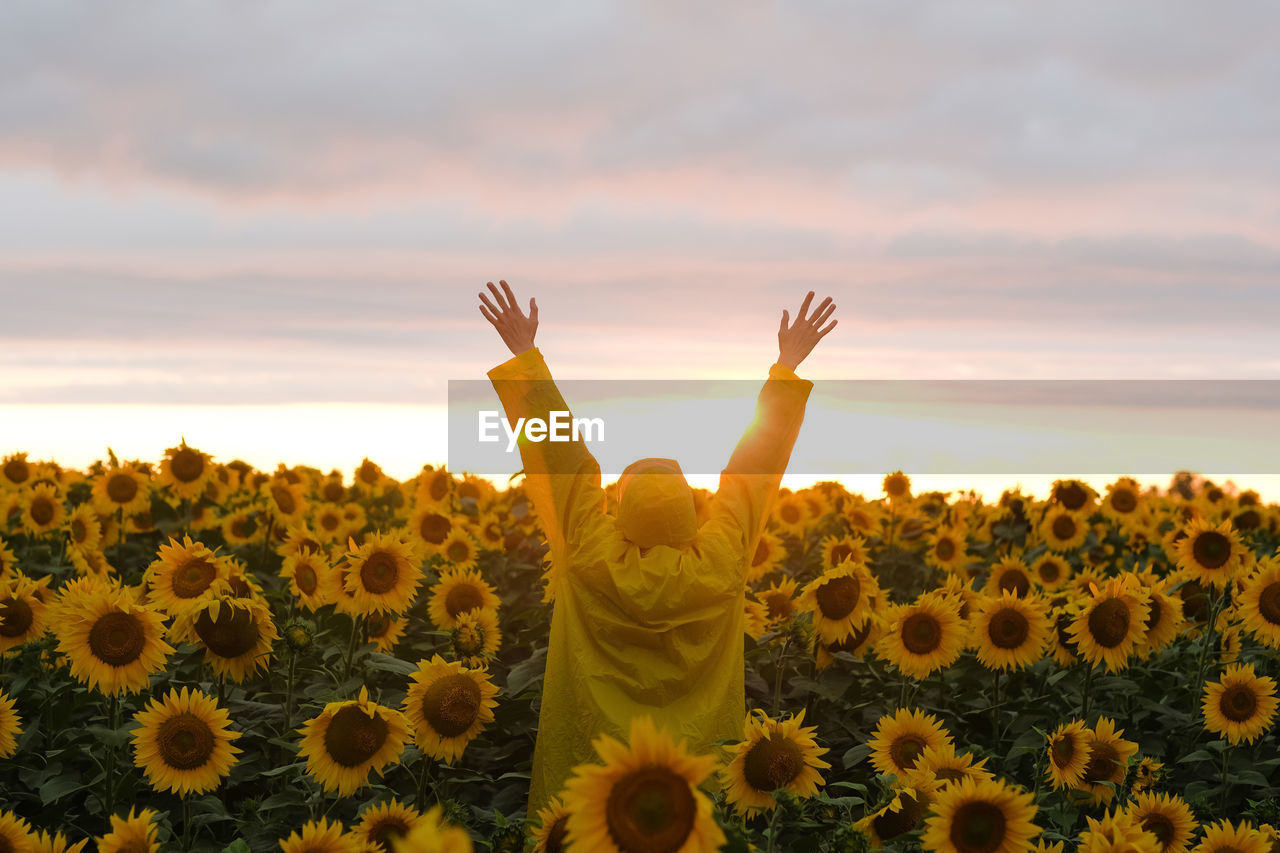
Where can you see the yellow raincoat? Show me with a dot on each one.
(648, 613)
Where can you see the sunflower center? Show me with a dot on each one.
(435, 528)
(305, 577)
(1072, 496)
(1238, 703)
(780, 605)
(387, 830)
(555, 838)
(461, 598)
(762, 552)
(1211, 550)
(368, 473)
(41, 510)
(439, 486)
(284, 499)
(353, 737)
(789, 513)
(1159, 826)
(1062, 750)
(117, 639)
(1008, 628)
(458, 551)
(1103, 763)
(978, 827)
(1269, 603)
(838, 597)
(16, 471)
(1050, 571)
(1109, 623)
(15, 617)
(330, 520)
(185, 741)
(451, 704)
(233, 633)
(1153, 618)
(905, 750)
(945, 549)
(378, 574)
(893, 824)
(122, 488)
(1124, 501)
(78, 531)
(895, 487)
(921, 633)
(1064, 527)
(1247, 520)
(840, 553)
(1016, 580)
(186, 465)
(772, 763)
(334, 491)
(650, 810)
(193, 577)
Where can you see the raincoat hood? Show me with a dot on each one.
(655, 504)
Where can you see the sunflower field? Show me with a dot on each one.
(205, 656)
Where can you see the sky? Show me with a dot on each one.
(263, 225)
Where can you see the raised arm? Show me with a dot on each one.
(562, 478)
(750, 480)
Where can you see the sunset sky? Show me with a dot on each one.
(263, 225)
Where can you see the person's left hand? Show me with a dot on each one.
(516, 329)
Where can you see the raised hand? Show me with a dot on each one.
(797, 340)
(516, 329)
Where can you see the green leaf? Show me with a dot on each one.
(59, 787)
(1198, 755)
(237, 846)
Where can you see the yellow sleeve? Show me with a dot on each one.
(751, 479)
(562, 478)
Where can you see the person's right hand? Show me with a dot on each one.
(516, 329)
(797, 340)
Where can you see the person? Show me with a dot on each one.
(648, 605)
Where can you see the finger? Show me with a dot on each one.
(822, 333)
(821, 307)
(533, 310)
(782, 327)
(488, 316)
(804, 306)
(485, 300)
(822, 316)
(498, 296)
(511, 298)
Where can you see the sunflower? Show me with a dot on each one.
(455, 594)
(348, 739)
(767, 556)
(430, 525)
(8, 561)
(923, 637)
(987, 816)
(1259, 603)
(448, 705)
(123, 488)
(644, 797)
(236, 634)
(135, 833)
(1146, 774)
(433, 835)
(1050, 571)
(897, 487)
(83, 530)
(1211, 554)
(477, 637)
(790, 514)
(330, 525)
(299, 536)
(320, 836)
(840, 600)
(1009, 573)
(1074, 495)
(1068, 753)
(946, 549)
(54, 842)
(15, 833)
(1164, 620)
(1063, 530)
(1165, 816)
(863, 638)
(900, 739)
(16, 471)
(382, 825)
(938, 767)
(1109, 625)
(553, 825)
(1114, 832)
(1241, 706)
(1109, 756)
(284, 499)
(779, 601)
(183, 742)
(902, 814)
(114, 644)
(382, 575)
(1010, 632)
(459, 550)
(241, 526)
(307, 572)
(840, 549)
(773, 754)
(1225, 837)
(186, 471)
(22, 612)
(184, 576)
(42, 509)
(1124, 498)
(383, 630)
(10, 726)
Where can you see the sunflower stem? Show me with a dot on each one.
(1209, 636)
(108, 799)
(266, 541)
(777, 678)
(995, 712)
(288, 696)
(1226, 780)
(424, 775)
(186, 824)
(351, 646)
(1088, 687)
(773, 827)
